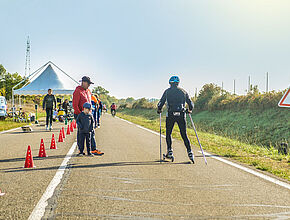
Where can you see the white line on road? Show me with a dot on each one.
(141, 127)
(263, 176)
(153, 132)
(39, 209)
(258, 174)
(124, 120)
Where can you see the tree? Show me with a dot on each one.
(207, 92)
(8, 81)
(100, 91)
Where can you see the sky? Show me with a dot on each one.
(132, 47)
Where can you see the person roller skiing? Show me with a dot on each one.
(175, 99)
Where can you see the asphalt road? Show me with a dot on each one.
(129, 182)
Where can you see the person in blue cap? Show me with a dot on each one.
(176, 97)
(85, 122)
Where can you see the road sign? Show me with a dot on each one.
(285, 101)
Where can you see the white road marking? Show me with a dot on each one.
(248, 170)
(124, 120)
(153, 132)
(263, 176)
(39, 209)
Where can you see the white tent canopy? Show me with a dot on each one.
(49, 76)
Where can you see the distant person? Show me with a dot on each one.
(85, 122)
(49, 103)
(65, 106)
(113, 108)
(99, 113)
(176, 98)
(95, 105)
(81, 95)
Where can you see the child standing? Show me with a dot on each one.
(85, 122)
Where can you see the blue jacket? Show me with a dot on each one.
(85, 122)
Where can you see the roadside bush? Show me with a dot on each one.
(143, 104)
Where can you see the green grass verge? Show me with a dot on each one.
(8, 124)
(265, 159)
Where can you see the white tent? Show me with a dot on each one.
(49, 76)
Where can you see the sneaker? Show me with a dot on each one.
(80, 154)
(97, 152)
(50, 127)
(47, 127)
(90, 155)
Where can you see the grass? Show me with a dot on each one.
(262, 158)
(267, 127)
(8, 124)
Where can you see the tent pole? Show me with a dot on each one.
(13, 104)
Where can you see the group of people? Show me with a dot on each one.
(87, 118)
(87, 112)
(88, 109)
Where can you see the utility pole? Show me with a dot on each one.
(267, 82)
(27, 60)
(222, 88)
(234, 86)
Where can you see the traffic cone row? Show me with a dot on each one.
(42, 152)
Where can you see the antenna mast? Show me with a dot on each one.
(27, 60)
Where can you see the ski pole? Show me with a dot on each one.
(197, 139)
(160, 150)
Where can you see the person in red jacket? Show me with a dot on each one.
(81, 95)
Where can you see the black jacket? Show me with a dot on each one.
(49, 102)
(176, 99)
(85, 122)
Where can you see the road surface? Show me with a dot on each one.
(129, 182)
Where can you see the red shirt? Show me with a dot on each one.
(80, 97)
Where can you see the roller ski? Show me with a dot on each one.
(191, 157)
(168, 156)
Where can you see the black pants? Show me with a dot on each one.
(83, 137)
(93, 139)
(170, 121)
(49, 116)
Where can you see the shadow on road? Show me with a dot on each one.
(34, 158)
(76, 166)
(80, 166)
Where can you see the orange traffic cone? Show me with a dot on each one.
(53, 144)
(75, 124)
(68, 130)
(60, 139)
(63, 135)
(29, 159)
(71, 128)
(42, 152)
(1, 193)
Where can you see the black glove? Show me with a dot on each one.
(159, 111)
